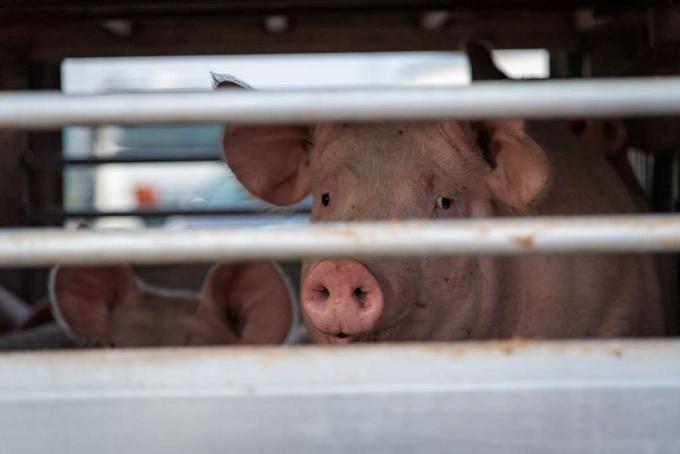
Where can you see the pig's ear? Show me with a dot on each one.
(271, 161)
(519, 168)
(252, 299)
(83, 298)
(482, 66)
(227, 81)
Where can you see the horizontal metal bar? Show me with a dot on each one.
(305, 370)
(516, 396)
(140, 156)
(37, 247)
(495, 99)
(61, 214)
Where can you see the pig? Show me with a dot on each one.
(611, 137)
(450, 169)
(239, 303)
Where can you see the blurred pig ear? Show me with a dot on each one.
(252, 299)
(271, 161)
(84, 298)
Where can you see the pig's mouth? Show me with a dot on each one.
(338, 338)
(381, 334)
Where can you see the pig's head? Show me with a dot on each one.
(238, 304)
(386, 171)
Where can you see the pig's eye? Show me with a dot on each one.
(444, 202)
(325, 199)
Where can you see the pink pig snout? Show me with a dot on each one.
(342, 297)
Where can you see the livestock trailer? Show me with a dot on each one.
(107, 119)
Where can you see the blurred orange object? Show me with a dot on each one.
(146, 196)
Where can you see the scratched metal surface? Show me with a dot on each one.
(515, 396)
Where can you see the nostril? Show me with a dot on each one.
(361, 295)
(342, 335)
(323, 293)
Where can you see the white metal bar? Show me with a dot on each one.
(36, 247)
(494, 99)
(568, 397)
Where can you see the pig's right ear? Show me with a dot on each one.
(271, 161)
(83, 298)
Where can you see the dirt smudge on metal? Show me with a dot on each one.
(524, 241)
(616, 352)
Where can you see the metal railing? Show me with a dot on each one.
(536, 99)
(133, 156)
(35, 247)
(57, 214)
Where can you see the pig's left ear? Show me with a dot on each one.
(519, 168)
(251, 299)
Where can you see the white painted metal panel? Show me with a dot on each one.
(572, 397)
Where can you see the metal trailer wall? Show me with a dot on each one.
(510, 397)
